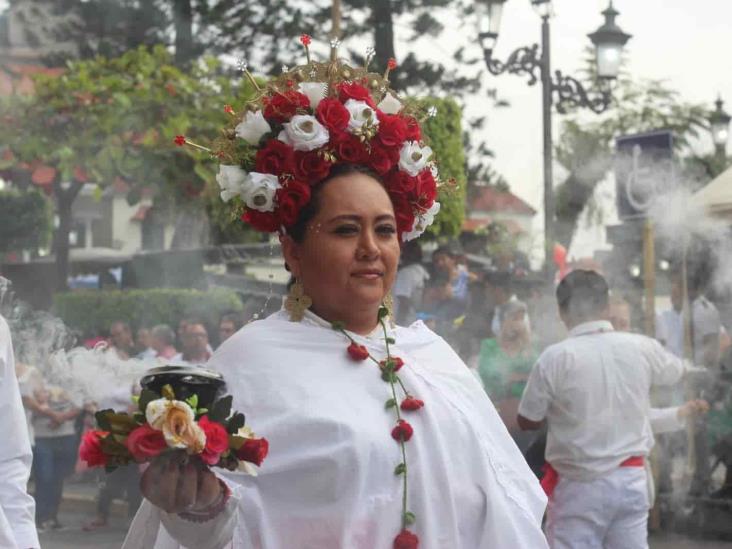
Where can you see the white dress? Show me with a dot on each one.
(328, 482)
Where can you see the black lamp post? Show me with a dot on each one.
(557, 89)
(719, 124)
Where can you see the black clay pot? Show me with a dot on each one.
(186, 381)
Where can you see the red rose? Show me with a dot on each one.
(426, 189)
(254, 450)
(406, 540)
(403, 431)
(382, 159)
(275, 157)
(310, 166)
(350, 150)
(91, 448)
(266, 222)
(402, 182)
(402, 211)
(290, 200)
(283, 106)
(217, 440)
(357, 352)
(351, 90)
(333, 114)
(395, 361)
(392, 130)
(145, 443)
(414, 132)
(411, 404)
(180, 140)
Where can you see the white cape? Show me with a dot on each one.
(328, 482)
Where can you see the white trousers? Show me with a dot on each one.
(606, 513)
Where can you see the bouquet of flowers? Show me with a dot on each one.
(162, 423)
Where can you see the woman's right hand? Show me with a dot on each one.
(177, 484)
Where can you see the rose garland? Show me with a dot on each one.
(403, 431)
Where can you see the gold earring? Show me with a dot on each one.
(389, 304)
(297, 301)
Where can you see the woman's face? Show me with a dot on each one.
(514, 325)
(348, 259)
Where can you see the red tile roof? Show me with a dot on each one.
(17, 78)
(489, 199)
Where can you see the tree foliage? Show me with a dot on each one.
(26, 220)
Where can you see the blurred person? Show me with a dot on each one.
(121, 341)
(55, 452)
(196, 350)
(500, 284)
(17, 507)
(504, 365)
(409, 286)
(143, 344)
(229, 324)
(592, 391)
(162, 341)
(447, 296)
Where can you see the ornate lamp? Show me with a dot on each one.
(719, 123)
(609, 41)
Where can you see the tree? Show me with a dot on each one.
(107, 120)
(26, 221)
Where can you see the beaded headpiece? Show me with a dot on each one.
(311, 118)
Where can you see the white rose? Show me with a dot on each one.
(304, 133)
(413, 158)
(253, 127)
(155, 412)
(259, 191)
(360, 114)
(315, 91)
(421, 222)
(232, 180)
(390, 104)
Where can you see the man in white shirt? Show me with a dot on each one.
(17, 508)
(409, 284)
(592, 389)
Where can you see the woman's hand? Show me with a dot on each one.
(693, 408)
(177, 484)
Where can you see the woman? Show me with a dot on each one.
(504, 365)
(346, 432)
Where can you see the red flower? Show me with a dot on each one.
(357, 352)
(266, 222)
(254, 450)
(406, 540)
(414, 132)
(217, 440)
(180, 140)
(383, 159)
(395, 361)
(333, 114)
(290, 200)
(402, 182)
(283, 106)
(145, 443)
(403, 431)
(411, 404)
(305, 39)
(350, 150)
(402, 211)
(351, 90)
(392, 130)
(426, 189)
(275, 157)
(91, 448)
(392, 64)
(311, 166)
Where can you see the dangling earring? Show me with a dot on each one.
(389, 304)
(297, 301)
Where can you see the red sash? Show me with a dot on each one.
(551, 478)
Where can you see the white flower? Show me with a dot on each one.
(304, 133)
(259, 191)
(244, 466)
(360, 114)
(390, 104)
(253, 127)
(413, 158)
(155, 412)
(177, 420)
(232, 180)
(315, 91)
(421, 222)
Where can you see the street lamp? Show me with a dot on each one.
(719, 123)
(558, 90)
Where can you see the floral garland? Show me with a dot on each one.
(310, 119)
(403, 430)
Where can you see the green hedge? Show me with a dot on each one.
(93, 311)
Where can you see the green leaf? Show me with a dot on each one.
(383, 312)
(146, 397)
(102, 421)
(221, 409)
(409, 517)
(390, 340)
(136, 399)
(235, 423)
(390, 403)
(400, 469)
(192, 401)
(338, 326)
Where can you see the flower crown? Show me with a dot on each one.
(311, 118)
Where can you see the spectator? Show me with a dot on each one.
(409, 286)
(55, 452)
(162, 341)
(196, 350)
(500, 284)
(120, 336)
(229, 324)
(447, 295)
(143, 341)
